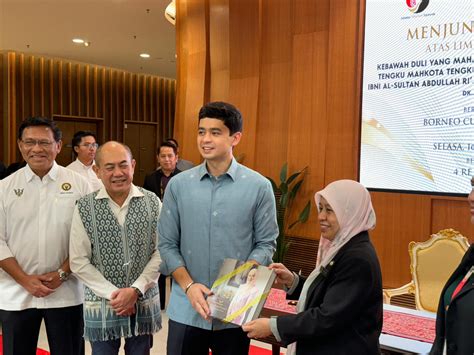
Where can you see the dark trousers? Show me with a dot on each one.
(64, 328)
(134, 345)
(162, 288)
(187, 340)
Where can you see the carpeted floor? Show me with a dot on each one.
(38, 352)
(254, 350)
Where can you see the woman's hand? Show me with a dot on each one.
(284, 276)
(258, 328)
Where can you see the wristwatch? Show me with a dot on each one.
(138, 292)
(63, 275)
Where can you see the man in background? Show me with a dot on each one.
(182, 164)
(84, 146)
(36, 206)
(113, 251)
(219, 209)
(167, 157)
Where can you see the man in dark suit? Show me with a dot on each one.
(167, 157)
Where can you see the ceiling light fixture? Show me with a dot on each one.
(78, 40)
(170, 12)
(145, 55)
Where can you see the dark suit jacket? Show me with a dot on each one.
(343, 313)
(153, 181)
(457, 324)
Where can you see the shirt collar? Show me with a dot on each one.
(52, 173)
(134, 192)
(231, 172)
(85, 166)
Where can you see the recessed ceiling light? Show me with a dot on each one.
(78, 40)
(145, 55)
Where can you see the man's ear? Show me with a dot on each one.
(237, 136)
(60, 145)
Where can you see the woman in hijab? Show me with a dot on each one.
(455, 316)
(340, 304)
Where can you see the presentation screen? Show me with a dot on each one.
(417, 130)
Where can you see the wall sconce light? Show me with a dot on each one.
(170, 12)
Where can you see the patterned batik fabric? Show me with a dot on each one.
(120, 254)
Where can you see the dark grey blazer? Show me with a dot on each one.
(343, 313)
(457, 324)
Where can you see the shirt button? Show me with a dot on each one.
(215, 213)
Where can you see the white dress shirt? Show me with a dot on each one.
(35, 219)
(81, 252)
(87, 172)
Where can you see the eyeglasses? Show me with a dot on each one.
(90, 145)
(30, 143)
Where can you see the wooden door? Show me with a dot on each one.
(141, 138)
(69, 127)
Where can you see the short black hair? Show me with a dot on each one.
(225, 112)
(173, 141)
(169, 145)
(40, 121)
(76, 139)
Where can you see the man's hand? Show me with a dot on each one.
(51, 280)
(258, 328)
(197, 294)
(122, 300)
(34, 284)
(127, 312)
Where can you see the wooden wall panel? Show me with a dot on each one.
(219, 50)
(3, 107)
(274, 93)
(244, 67)
(401, 218)
(40, 86)
(192, 52)
(294, 68)
(343, 105)
(451, 212)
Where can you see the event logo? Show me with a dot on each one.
(417, 6)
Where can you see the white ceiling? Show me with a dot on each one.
(118, 30)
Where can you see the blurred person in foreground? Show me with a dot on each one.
(340, 303)
(455, 316)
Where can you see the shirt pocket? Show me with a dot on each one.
(63, 208)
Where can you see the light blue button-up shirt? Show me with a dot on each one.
(205, 220)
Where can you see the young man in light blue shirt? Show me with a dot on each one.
(219, 209)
